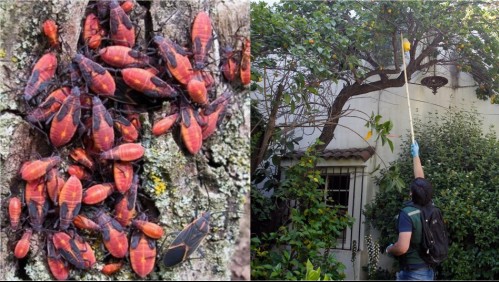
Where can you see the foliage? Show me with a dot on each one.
(382, 129)
(261, 206)
(391, 180)
(314, 274)
(330, 39)
(322, 53)
(462, 163)
(310, 233)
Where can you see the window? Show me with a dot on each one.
(344, 187)
(337, 190)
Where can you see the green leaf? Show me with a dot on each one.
(292, 106)
(311, 274)
(390, 143)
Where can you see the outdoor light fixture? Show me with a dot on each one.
(434, 82)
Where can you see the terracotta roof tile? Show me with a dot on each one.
(351, 153)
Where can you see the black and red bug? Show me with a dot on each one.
(187, 241)
(67, 119)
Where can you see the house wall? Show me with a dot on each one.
(392, 105)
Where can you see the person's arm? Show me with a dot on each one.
(401, 246)
(405, 231)
(418, 168)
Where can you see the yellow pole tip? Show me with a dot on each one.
(406, 45)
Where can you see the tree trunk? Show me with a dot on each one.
(335, 111)
(269, 130)
(216, 179)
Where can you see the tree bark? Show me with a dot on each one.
(269, 129)
(215, 179)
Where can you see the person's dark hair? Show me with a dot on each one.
(422, 191)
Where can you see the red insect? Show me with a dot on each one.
(36, 199)
(69, 201)
(83, 222)
(125, 152)
(230, 66)
(123, 57)
(80, 156)
(245, 69)
(79, 172)
(111, 268)
(114, 237)
(42, 73)
(50, 30)
(74, 73)
(66, 120)
(164, 125)
(121, 27)
(58, 268)
(86, 100)
(86, 251)
(150, 229)
(54, 184)
(202, 38)
(128, 131)
(123, 175)
(152, 70)
(92, 31)
(97, 193)
(176, 59)
(132, 115)
(187, 241)
(190, 130)
(147, 83)
(15, 208)
(68, 249)
(102, 126)
(197, 91)
(142, 254)
(206, 77)
(22, 246)
(35, 169)
(98, 79)
(125, 207)
(49, 106)
(127, 5)
(214, 113)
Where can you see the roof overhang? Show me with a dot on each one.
(336, 154)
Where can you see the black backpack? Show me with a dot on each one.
(435, 242)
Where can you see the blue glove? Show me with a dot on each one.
(415, 149)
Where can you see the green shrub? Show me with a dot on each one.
(462, 163)
(314, 274)
(310, 233)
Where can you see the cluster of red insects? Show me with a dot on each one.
(104, 164)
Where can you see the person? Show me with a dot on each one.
(406, 249)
